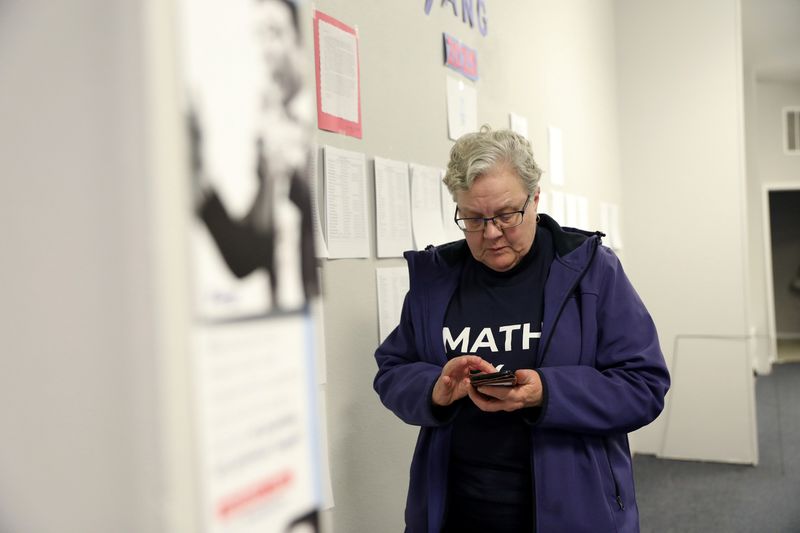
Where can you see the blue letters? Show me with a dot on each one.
(482, 20)
(468, 14)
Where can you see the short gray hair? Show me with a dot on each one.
(476, 153)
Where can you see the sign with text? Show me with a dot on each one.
(338, 76)
(460, 57)
(471, 11)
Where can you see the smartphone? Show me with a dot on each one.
(502, 378)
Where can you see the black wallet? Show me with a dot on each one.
(503, 378)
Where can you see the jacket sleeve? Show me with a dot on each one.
(404, 381)
(625, 388)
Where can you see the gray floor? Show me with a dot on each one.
(682, 496)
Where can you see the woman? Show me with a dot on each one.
(550, 303)
(276, 233)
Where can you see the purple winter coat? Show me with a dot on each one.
(603, 375)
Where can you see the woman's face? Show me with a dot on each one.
(499, 190)
(277, 36)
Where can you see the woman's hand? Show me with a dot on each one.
(526, 393)
(453, 383)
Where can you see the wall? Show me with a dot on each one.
(681, 140)
(78, 394)
(552, 62)
(767, 165)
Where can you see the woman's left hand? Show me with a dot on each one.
(526, 393)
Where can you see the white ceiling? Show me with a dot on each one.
(771, 39)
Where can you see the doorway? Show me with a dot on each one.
(783, 269)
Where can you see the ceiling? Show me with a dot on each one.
(771, 39)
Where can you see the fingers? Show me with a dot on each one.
(453, 384)
(527, 393)
(477, 363)
(453, 381)
(526, 376)
(443, 391)
(460, 366)
(485, 402)
(499, 393)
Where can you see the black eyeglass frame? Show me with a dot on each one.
(493, 219)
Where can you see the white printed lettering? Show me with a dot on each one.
(485, 340)
(462, 339)
(509, 331)
(527, 335)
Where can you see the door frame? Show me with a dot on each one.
(772, 332)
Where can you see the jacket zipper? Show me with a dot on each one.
(617, 495)
(564, 301)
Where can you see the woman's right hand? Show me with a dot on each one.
(453, 382)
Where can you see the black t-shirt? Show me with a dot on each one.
(498, 316)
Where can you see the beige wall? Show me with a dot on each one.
(682, 153)
(767, 166)
(78, 396)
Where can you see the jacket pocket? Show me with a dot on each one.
(615, 482)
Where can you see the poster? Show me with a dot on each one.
(249, 119)
(258, 432)
(338, 76)
(426, 206)
(249, 123)
(462, 108)
(392, 208)
(346, 203)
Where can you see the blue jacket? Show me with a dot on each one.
(603, 375)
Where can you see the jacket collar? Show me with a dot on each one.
(566, 241)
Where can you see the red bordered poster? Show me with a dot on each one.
(338, 76)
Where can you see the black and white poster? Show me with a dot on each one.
(248, 117)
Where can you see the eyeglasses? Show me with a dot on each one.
(502, 221)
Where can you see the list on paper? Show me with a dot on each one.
(462, 108)
(518, 124)
(544, 204)
(257, 419)
(320, 247)
(426, 208)
(557, 208)
(338, 69)
(571, 203)
(346, 203)
(451, 231)
(583, 212)
(609, 224)
(392, 208)
(556, 146)
(392, 288)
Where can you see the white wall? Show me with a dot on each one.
(78, 382)
(774, 166)
(767, 165)
(682, 154)
(552, 62)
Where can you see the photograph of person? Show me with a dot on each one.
(553, 305)
(274, 236)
